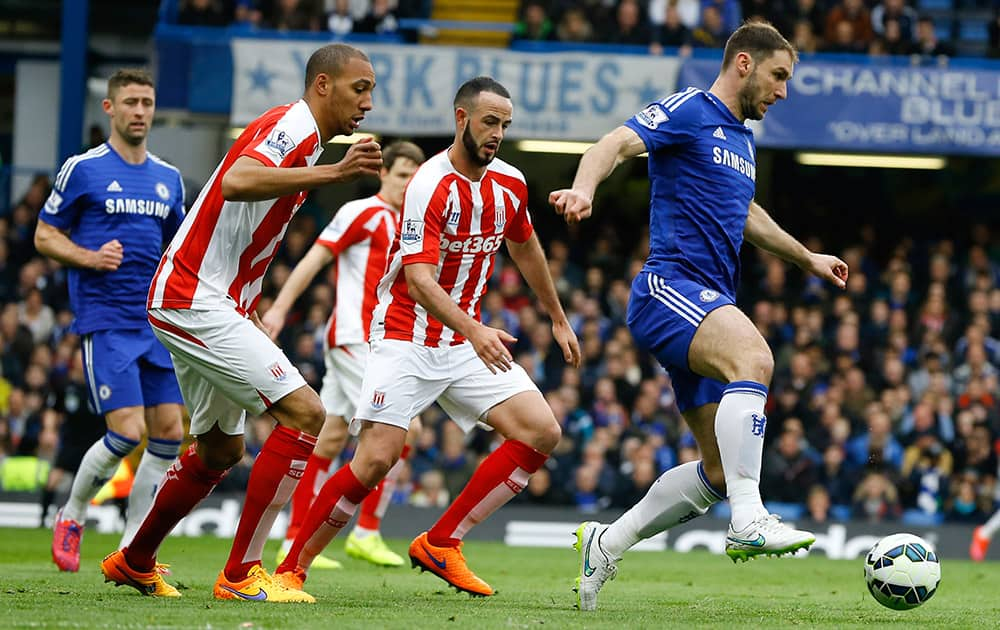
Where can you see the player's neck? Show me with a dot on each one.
(728, 97)
(130, 153)
(462, 164)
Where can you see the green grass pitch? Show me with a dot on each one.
(653, 590)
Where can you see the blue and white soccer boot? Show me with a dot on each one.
(596, 566)
(766, 535)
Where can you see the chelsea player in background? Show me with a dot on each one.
(682, 307)
(109, 214)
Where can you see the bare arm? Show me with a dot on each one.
(595, 166)
(315, 259)
(52, 242)
(488, 342)
(249, 180)
(762, 231)
(530, 260)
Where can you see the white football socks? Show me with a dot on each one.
(739, 430)
(96, 467)
(679, 495)
(991, 526)
(159, 455)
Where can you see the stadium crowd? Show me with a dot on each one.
(874, 27)
(885, 402)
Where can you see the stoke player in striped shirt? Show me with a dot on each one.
(202, 304)
(428, 343)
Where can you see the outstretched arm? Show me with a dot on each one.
(530, 260)
(762, 231)
(595, 166)
(315, 259)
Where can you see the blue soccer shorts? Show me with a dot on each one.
(128, 368)
(663, 316)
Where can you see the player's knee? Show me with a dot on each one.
(173, 431)
(373, 468)
(547, 436)
(220, 454)
(313, 418)
(760, 365)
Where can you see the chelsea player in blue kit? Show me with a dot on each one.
(110, 211)
(682, 306)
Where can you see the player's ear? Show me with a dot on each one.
(107, 105)
(322, 84)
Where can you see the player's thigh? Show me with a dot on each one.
(728, 347)
(664, 316)
(401, 380)
(332, 437)
(111, 370)
(475, 392)
(156, 369)
(345, 371)
(232, 354)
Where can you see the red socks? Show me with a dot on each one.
(275, 474)
(501, 476)
(305, 492)
(185, 484)
(334, 506)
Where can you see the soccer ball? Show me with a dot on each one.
(902, 571)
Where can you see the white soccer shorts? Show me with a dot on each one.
(345, 371)
(402, 379)
(225, 366)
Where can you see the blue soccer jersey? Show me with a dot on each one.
(98, 197)
(702, 175)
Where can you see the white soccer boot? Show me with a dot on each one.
(596, 566)
(766, 535)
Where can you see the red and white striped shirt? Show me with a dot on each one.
(219, 255)
(359, 237)
(459, 225)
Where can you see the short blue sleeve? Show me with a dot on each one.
(661, 127)
(63, 206)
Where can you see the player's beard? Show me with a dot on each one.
(749, 99)
(133, 138)
(473, 149)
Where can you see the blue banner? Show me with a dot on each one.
(564, 96)
(866, 108)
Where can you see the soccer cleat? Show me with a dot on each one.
(373, 549)
(766, 535)
(162, 568)
(979, 546)
(151, 583)
(319, 562)
(294, 579)
(66, 543)
(447, 563)
(596, 566)
(259, 587)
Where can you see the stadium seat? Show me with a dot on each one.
(919, 518)
(787, 511)
(934, 5)
(973, 31)
(840, 512)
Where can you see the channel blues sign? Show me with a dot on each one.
(878, 109)
(566, 96)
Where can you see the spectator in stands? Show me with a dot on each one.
(893, 39)
(818, 504)
(340, 21)
(711, 32)
(202, 13)
(248, 12)
(788, 472)
(993, 34)
(804, 38)
(904, 16)
(292, 15)
(876, 498)
(927, 465)
(855, 38)
(37, 316)
(812, 13)
(574, 27)
(629, 26)
(430, 491)
(534, 25)
(381, 19)
(928, 44)
(672, 33)
(963, 505)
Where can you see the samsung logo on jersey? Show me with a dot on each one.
(735, 161)
(137, 206)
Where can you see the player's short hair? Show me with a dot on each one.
(758, 39)
(128, 76)
(472, 88)
(331, 59)
(401, 149)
